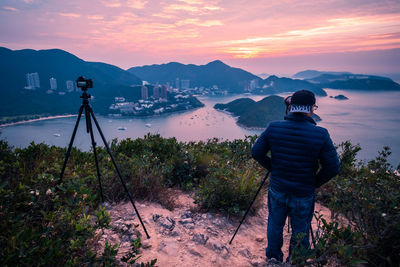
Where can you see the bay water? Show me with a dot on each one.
(371, 119)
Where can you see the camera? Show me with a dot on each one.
(83, 83)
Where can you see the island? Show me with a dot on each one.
(257, 115)
(340, 97)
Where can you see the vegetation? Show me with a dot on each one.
(368, 196)
(46, 221)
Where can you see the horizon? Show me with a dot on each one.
(273, 37)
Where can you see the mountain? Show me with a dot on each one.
(274, 85)
(355, 82)
(216, 72)
(309, 74)
(108, 80)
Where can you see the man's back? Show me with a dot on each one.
(297, 146)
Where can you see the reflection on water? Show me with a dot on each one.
(370, 119)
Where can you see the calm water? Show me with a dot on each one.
(370, 119)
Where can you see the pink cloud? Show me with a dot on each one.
(171, 30)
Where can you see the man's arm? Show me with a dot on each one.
(329, 160)
(260, 149)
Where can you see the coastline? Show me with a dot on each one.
(239, 124)
(39, 119)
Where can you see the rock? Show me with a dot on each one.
(218, 222)
(166, 223)
(187, 214)
(114, 238)
(146, 244)
(259, 238)
(192, 250)
(245, 253)
(200, 238)
(214, 259)
(175, 232)
(169, 247)
(156, 217)
(212, 231)
(187, 223)
(218, 247)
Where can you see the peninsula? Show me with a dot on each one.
(257, 115)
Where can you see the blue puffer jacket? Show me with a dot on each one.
(297, 148)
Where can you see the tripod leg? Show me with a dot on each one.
(251, 204)
(90, 128)
(117, 169)
(71, 142)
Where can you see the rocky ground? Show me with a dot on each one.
(186, 237)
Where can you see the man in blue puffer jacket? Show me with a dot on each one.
(302, 159)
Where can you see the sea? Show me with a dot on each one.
(370, 119)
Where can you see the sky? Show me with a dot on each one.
(261, 36)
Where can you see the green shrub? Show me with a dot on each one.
(368, 196)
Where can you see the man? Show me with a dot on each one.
(303, 158)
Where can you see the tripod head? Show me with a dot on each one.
(84, 84)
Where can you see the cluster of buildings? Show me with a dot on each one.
(33, 83)
(154, 101)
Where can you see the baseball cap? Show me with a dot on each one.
(302, 101)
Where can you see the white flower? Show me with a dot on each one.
(37, 192)
(49, 192)
(396, 172)
(383, 214)
(372, 171)
(32, 192)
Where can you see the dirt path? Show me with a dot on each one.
(185, 238)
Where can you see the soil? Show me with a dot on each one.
(189, 237)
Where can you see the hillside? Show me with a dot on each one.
(216, 72)
(109, 81)
(55, 222)
(255, 114)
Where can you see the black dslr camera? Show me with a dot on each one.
(83, 83)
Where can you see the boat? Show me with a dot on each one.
(148, 125)
(57, 135)
(122, 128)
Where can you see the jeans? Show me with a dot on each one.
(299, 209)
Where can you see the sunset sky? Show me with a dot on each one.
(274, 36)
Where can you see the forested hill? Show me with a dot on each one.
(214, 73)
(108, 81)
(355, 82)
(254, 114)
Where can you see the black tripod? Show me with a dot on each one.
(89, 129)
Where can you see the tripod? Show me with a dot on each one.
(89, 129)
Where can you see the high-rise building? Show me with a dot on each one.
(145, 93)
(32, 81)
(70, 85)
(53, 84)
(177, 83)
(253, 84)
(164, 92)
(156, 92)
(185, 84)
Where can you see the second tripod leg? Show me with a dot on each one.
(90, 128)
(117, 169)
